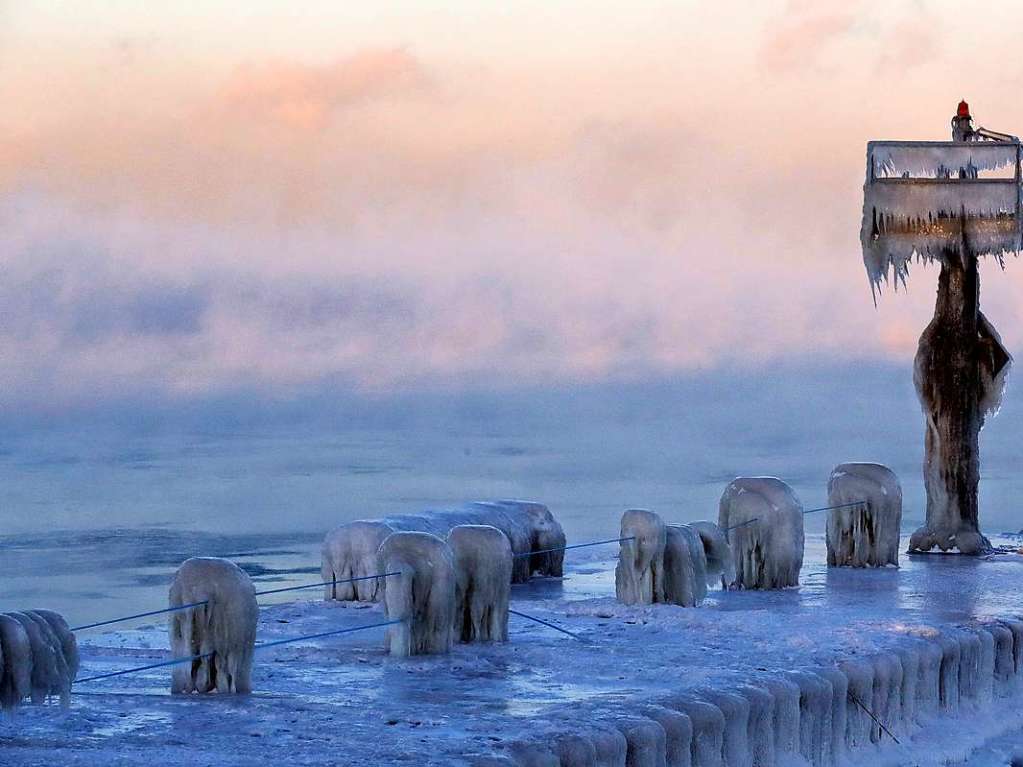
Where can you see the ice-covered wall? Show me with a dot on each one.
(866, 534)
(818, 715)
(38, 658)
(763, 520)
(349, 551)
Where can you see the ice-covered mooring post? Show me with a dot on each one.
(949, 202)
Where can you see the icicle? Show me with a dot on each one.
(761, 724)
(935, 161)
(786, 715)
(708, 729)
(815, 725)
(928, 683)
(969, 666)
(678, 732)
(839, 713)
(949, 676)
(887, 693)
(736, 710)
(860, 674)
(909, 657)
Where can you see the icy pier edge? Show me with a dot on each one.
(917, 697)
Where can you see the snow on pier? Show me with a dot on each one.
(749, 678)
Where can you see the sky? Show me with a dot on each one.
(200, 198)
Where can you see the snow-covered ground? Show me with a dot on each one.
(342, 701)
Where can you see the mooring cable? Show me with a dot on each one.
(808, 511)
(262, 646)
(549, 625)
(326, 583)
(838, 506)
(140, 615)
(870, 713)
(205, 601)
(575, 546)
(321, 584)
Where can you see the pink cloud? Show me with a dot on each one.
(391, 218)
(804, 33)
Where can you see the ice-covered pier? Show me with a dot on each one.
(750, 678)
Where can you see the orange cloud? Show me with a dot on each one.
(305, 96)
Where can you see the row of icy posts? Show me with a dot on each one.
(456, 569)
(443, 589)
(212, 630)
(457, 587)
(758, 540)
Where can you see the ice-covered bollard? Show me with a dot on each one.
(639, 574)
(350, 551)
(546, 537)
(64, 636)
(16, 679)
(483, 565)
(222, 630)
(865, 534)
(685, 566)
(38, 658)
(718, 554)
(764, 523)
(422, 596)
(50, 675)
(349, 559)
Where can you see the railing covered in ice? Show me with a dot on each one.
(925, 199)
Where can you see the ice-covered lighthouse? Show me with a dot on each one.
(950, 202)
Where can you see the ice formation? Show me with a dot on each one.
(667, 563)
(639, 574)
(349, 551)
(939, 159)
(764, 520)
(936, 201)
(223, 630)
(38, 658)
(820, 715)
(685, 566)
(959, 372)
(50, 674)
(16, 679)
(483, 565)
(422, 597)
(865, 535)
(719, 557)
